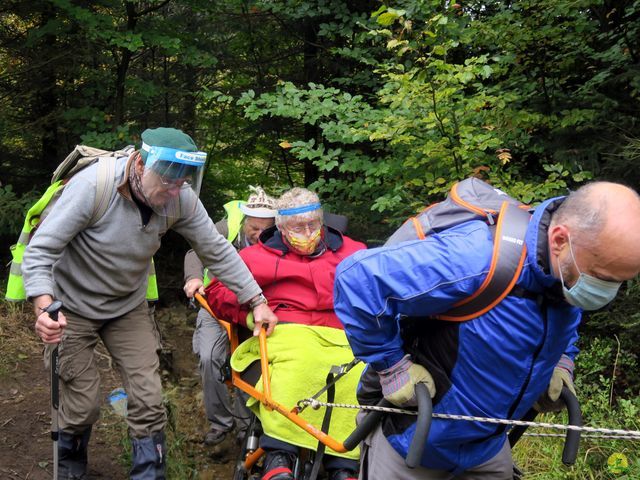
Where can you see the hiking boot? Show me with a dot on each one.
(72, 455)
(214, 436)
(343, 474)
(277, 465)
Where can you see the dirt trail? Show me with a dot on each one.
(25, 443)
(26, 449)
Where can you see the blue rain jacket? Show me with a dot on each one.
(496, 365)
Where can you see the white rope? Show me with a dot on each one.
(617, 433)
(598, 436)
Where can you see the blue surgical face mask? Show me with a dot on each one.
(588, 293)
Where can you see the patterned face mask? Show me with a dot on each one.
(302, 243)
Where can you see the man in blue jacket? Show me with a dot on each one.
(580, 249)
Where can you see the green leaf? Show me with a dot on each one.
(386, 19)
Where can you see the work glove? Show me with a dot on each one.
(550, 401)
(399, 382)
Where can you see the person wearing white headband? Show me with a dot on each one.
(294, 262)
(242, 226)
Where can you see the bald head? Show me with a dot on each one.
(603, 221)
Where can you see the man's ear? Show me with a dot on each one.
(558, 238)
(138, 164)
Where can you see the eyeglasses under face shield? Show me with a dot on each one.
(176, 168)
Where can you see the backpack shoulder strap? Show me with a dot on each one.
(105, 183)
(106, 179)
(509, 253)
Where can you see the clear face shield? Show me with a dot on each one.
(171, 180)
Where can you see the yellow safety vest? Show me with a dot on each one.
(15, 284)
(234, 218)
(234, 223)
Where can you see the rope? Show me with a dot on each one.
(598, 436)
(611, 432)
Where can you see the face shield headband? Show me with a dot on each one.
(298, 210)
(305, 237)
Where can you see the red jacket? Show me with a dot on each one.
(299, 288)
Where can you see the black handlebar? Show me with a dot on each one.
(572, 439)
(366, 426)
(423, 424)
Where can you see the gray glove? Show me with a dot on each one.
(562, 376)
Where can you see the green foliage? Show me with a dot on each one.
(620, 325)
(438, 116)
(621, 165)
(111, 140)
(13, 208)
(595, 367)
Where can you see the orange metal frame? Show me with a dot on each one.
(265, 396)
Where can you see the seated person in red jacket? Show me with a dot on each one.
(294, 263)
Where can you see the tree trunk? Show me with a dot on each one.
(123, 66)
(46, 99)
(310, 74)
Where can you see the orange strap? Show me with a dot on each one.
(509, 253)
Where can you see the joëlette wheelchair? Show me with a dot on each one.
(308, 462)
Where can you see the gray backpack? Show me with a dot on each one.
(80, 158)
(473, 199)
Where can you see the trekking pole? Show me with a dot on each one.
(53, 310)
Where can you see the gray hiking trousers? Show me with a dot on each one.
(379, 461)
(133, 340)
(211, 344)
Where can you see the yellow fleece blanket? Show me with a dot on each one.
(300, 357)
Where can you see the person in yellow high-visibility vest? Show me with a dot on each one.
(242, 226)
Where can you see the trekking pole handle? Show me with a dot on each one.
(53, 309)
(572, 439)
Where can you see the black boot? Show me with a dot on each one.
(277, 465)
(148, 457)
(343, 474)
(72, 455)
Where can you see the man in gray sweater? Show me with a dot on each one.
(99, 269)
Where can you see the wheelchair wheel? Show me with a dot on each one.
(241, 474)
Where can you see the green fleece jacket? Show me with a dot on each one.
(100, 271)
